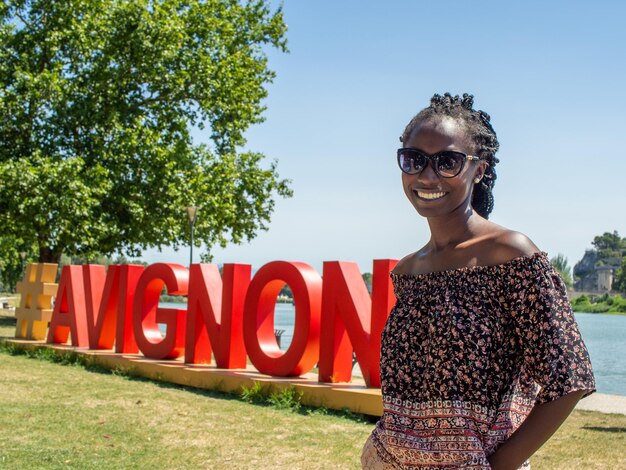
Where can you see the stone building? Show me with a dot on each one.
(594, 275)
(605, 278)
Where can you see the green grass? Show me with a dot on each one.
(64, 416)
(587, 440)
(7, 324)
(63, 412)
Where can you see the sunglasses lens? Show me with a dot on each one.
(449, 164)
(411, 162)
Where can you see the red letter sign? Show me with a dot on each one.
(258, 327)
(147, 315)
(215, 315)
(109, 306)
(69, 309)
(350, 319)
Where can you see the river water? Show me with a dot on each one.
(604, 335)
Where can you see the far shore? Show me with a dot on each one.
(12, 301)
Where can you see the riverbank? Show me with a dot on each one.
(602, 303)
(603, 403)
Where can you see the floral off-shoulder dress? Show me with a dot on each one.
(465, 356)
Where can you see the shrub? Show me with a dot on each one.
(583, 299)
(255, 394)
(286, 399)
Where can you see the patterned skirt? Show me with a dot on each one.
(371, 460)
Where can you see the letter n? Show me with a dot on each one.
(215, 315)
(69, 314)
(353, 321)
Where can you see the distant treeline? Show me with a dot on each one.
(177, 299)
(604, 303)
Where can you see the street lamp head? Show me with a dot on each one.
(191, 213)
(23, 255)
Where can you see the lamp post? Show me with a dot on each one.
(192, 212)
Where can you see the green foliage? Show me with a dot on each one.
(254, 394)
(97, 102)
(367, 278)
(619, 280)
(124, 372)
(177, 299)
(609, 250)
(286, 399)
(604, 303)
(610, 245)
(98, 258)
(283, 399)
(66, 358)
(561, 265)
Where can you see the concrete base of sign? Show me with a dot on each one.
(354, 396)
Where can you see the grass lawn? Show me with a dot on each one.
(64, 416)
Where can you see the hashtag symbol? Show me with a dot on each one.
(35, 310)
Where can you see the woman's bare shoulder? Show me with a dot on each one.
(407, 265)
(506, 245)
(496, 245)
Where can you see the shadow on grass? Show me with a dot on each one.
(7, 321)
(604, 429)
(287, 400)
(71, 358)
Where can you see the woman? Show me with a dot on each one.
(481, 358)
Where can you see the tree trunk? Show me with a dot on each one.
(49, 255)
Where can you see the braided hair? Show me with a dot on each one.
(478, 126)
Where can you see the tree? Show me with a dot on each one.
(609, 249)
(561, 265)
(97, 102)
(286, 291)
(367, 278)
(610, 245)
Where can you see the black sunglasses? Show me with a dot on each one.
(446, 164)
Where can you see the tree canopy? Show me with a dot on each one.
(610, 245)
(98, 100)
(562, 266)
(609, 249)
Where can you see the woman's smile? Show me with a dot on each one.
(429, 195)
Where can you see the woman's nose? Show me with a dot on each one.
(428, 174)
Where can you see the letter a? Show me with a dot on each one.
(69, 315)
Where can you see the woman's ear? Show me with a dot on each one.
(480, 171)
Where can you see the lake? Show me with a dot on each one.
(604, 335)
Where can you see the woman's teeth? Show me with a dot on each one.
(430, 195)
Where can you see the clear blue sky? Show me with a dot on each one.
(552, 75)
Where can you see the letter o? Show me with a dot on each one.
(258, 319)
